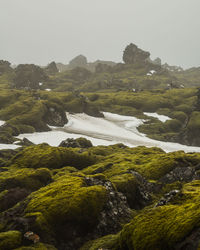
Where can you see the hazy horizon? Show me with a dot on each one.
(39, 32)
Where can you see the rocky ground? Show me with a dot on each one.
(77, 196)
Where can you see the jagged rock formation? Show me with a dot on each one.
(78, 61)
(51, 68)
(132, 54)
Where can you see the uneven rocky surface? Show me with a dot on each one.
(105, 197)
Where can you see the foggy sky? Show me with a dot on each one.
(40, 31)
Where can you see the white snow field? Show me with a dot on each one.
(105, 131)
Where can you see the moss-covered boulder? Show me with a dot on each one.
(106, 242)
(73, 208)
(46, 156)
(39, 246)
(29, 179)
(10, 240)
(76, 143)
(166, 227)
(80, 208)
(132, 186)
(17, 184)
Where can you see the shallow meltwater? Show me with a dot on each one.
(109, 130)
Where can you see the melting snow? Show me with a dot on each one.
(8, 146)
(162, 118)
(2, 123)
(104, 131)
(151, 72)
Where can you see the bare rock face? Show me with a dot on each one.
(78, 61)
(76, 143)
(133, 54)
(56, 117)
(185, 174)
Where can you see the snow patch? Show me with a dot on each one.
(162, 118)
(2, 123)
(151, 72)
(110, 130)
(8, 146)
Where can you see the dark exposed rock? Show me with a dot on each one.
(191, 242)
(76, 143)
(184, 174)
(115, 212)
(51, 68)
(25, 142)
(133, 54)
(78, 61)
(12, 197)
(142, 192)
(56, 117)
(167, 198)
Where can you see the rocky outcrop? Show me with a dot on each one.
(56, 117)
(24, 142)
(76, 143)
(182, 174)
(132, 54)
(78, 61)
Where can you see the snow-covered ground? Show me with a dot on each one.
(104, 131)
(2, 123)
(162, 118)
(8, 146)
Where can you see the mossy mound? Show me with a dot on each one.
(38, 246)
(76, 143)
(17, 184)
(167, 226)
(10, 240)
(106, 242)
(29, 179)
(46, 156)
(72, 206)
(151, 163)
(129, 185)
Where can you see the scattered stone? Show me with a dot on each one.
(32, 237)
(167, 198)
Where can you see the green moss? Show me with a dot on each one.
(106, 242)
(38, 246)
(69, 201)
(51, 157)
(128, 185)
(164, 226)
(152, 163)
(29, 179)
(10, 240)
(63, 171)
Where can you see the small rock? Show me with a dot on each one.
(32, 237)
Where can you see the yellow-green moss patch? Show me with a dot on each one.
(10, 240)
(69, 201)
(46, 156)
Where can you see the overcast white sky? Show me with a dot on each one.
(40, 31)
